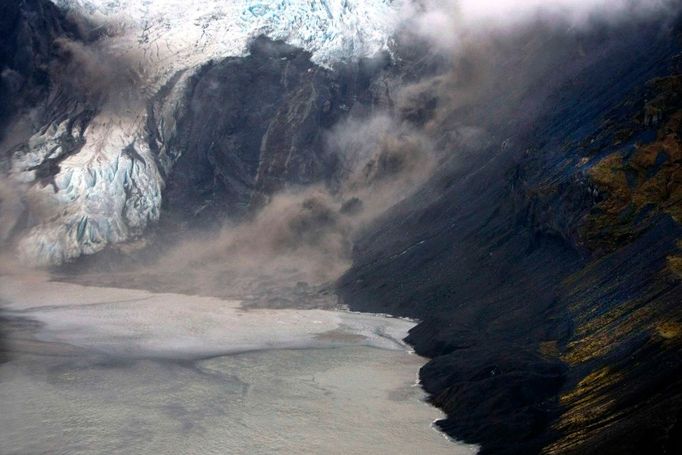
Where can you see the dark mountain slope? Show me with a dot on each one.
(546, 276)
(256, 125)
(28, 30)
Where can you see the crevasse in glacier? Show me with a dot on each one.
(330, 29)
(108, 187)
(105, 193)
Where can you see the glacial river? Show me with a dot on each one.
(108, 371)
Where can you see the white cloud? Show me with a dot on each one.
(447, 22)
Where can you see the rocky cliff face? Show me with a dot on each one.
(547, 279)
(26, 52)
(256, 125)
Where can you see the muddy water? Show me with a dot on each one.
(99, 370)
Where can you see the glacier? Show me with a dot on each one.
(197, 30)
(109, 183)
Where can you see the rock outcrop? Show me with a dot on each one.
(547, 278)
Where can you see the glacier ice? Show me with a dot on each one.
(109, 189)
(103, 194)
(196, 30)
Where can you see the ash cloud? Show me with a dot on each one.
(98, 75)
(488, 69)
(450, 24)
(11, 209)
(289, 252)
(383, 158)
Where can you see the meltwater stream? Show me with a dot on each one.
(99, 370)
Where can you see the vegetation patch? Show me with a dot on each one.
(639, 181)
